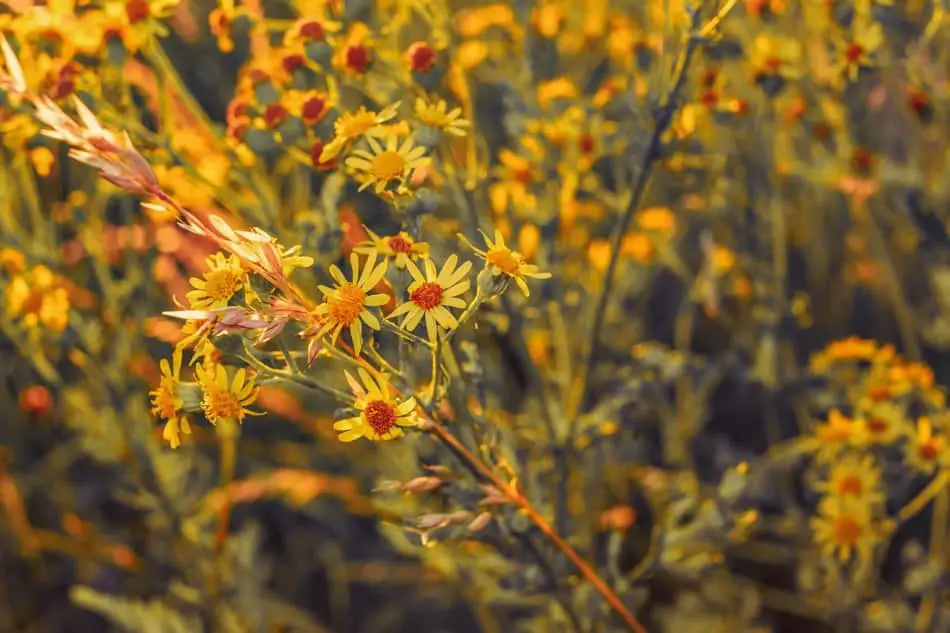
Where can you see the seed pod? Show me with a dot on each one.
(480, 522)
(422, 484)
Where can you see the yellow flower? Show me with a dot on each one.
(659, 220)
(225, 398)
(225, 277)
(399, 248)
(501, 260)
(855, 477)
(352, 125)
(837, 433)
(847, 350)
(39, 299)
(857, 53)
(345, 306)
(776, 55)
(559, 88)
(884, 423)
(435, 115)
(384, 165)
(925, 451)
(380, 414)
(843, 529)
(431, 295)
(167, 402)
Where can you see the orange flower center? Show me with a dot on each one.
(850, 485)
(346, 304)
(854, 52)
(388, 165)
(381, 416)
(929, 450)
(877, 426)
(505, 260)
(399, 244)
(879, 393)
(847, 530)
(221, 404)
(427, 296)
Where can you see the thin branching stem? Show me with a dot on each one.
(511, 491)
(645, 169)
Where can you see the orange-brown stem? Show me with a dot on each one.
(519, 499)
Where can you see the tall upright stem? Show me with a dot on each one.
(474, 463)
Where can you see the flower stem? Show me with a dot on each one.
(647, 161)
(228, 432)
(514, 495)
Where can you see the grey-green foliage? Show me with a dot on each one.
(151, 616)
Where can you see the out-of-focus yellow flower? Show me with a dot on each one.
(855, 477)
(38, 298)
(472, 53)
(501, 260)
(437, 116)
(926, 451)
(381, 415)
(883, 424)
(849, 350)
(11, 260)
(558, 88)
(658, 220)
(43, 160)
(844, 530)
(776, 55)
(837, 433)
(638, 246)
(472, 22)
(548, 19)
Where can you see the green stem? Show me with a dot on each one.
(646, 163)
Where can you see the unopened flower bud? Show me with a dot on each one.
(480, 522)
(422, 484)
(492, 285)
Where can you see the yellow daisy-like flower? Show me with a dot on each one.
(380, 413)
(501, 260)
(384, 165)
(657, 220)
(167, 402)
(849, 350)
(352, 125)
(926, 452)
(432, 294)
(226, 394)
(346, 305)
(399, 248)
(867, 37)
(437, 115)
(844, 529)
(215, 288)
(854, 477)
(883, 424)
(837, 433)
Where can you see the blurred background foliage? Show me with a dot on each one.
(778, 288)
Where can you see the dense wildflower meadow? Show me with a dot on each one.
(423, 316)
